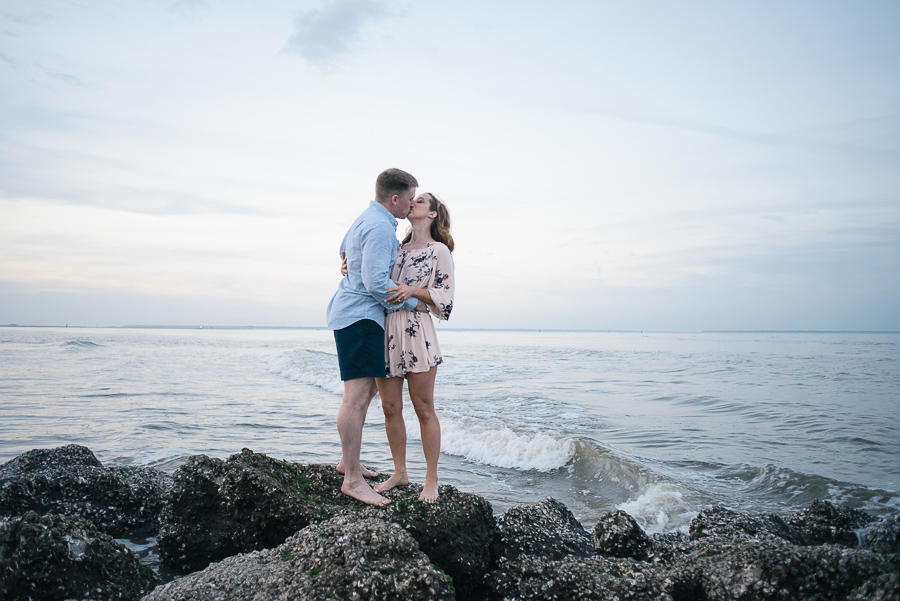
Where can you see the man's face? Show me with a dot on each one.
(404, 202)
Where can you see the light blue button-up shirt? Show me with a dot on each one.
(371, 247)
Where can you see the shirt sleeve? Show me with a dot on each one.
(443, 286)
(377, 249)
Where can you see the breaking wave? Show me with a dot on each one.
(309, 367)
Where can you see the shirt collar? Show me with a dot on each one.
(380, 207)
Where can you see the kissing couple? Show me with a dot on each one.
(383, 330)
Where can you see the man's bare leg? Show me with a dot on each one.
(421, 392)
(391, 392)
(366, 472)
(358, 394)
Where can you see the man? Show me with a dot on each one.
(356, 314)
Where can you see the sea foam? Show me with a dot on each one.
(661, 508)
(494, 443)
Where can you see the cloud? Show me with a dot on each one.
(796, 142)
(322, 35)
(62, 77)
(189, 8)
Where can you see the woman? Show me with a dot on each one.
(424, 270)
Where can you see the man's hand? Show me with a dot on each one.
(401, 292)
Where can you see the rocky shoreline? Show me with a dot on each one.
(255, 527)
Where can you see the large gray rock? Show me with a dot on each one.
(50, 558)
(458, 533)
(825, 523)
(719, 521)
(251, 501)
(341, 558)
(71, 481)
(735, 567)
(884, 537)
(547, 529)
(617, 534)
(768, 568)
(594, 578)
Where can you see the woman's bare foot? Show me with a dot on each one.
(397, 479)
(363, 492)
(366, 472)
(429, 492)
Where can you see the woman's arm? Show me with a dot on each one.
(401, 292)
(442, 288)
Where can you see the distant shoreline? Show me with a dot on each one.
(553, 330)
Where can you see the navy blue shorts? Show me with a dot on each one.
(360, 350)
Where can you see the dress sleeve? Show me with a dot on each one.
(442, 287)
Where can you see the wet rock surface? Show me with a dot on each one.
(719, 521)
(727, 556)
(617, 534)
(50, 558)
(71, 481)
(547, 529)
(346, 557)
(825, 523)
(284, 530)
(769, 568)
(600, 578)
(251, 501)
(458, 532)
(885, 536)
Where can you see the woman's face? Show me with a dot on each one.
(421, 207)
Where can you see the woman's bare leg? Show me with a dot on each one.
(391, 392)
(421, 391)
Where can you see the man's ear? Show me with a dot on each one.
(395, 199)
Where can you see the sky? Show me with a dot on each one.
(654, 165)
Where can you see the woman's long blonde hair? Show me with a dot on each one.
(440, 227)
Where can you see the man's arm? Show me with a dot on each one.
(376, 245)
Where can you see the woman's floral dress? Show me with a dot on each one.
(412, 344)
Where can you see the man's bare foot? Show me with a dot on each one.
(363, 492)
(395, 480)
(429, 492)
(366, 472)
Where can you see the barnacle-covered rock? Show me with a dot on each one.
(71, 481)
(342, 558)
(768, 568)
(714, 568)
(458, 532)
(617, 534)
(53, 557)
(547, 529)
(884, 537)
(593, 578)
(885, 587)
(825, 523)
(219, 508)
(251, 501)
(719, 521)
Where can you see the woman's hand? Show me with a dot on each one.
(401, 292)
(344, 265)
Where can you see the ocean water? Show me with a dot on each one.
(660, 425)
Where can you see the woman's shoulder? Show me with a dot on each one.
(432, 248)
(439, 247)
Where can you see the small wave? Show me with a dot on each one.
(309, 367)
(661, 508)
(80, 344)
(493, 443)
(780, 489)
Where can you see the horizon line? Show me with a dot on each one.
(597, 330)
